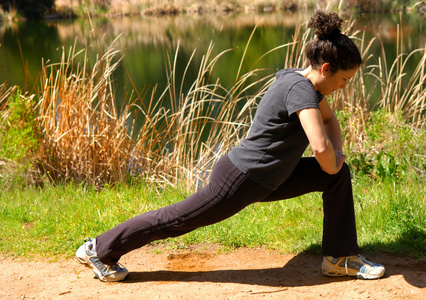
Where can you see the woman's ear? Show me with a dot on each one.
(324, 69)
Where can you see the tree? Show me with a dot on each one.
(30, 9)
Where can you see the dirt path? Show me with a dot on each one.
(202, 273)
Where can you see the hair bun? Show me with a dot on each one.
(326, 26)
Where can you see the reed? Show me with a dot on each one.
(5, 93)
(181, 144)
(203, 123)
(173, 7)
(400, 92)
(83, 136)
(174, 136)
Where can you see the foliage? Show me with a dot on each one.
(363, 6)
(49, 221)
(390, 148)
(17, 136)
(82, 135)
(396, 144)
(177, 134)
(166, 7)
(18, 139)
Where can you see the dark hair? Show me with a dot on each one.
(330, 45)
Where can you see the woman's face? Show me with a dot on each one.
(330, 81)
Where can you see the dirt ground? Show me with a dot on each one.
(202, 272)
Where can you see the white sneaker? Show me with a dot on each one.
(355, 265)
(87, 255)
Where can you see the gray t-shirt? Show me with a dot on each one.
(276, 140)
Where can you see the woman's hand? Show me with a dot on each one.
(312, 123)
(340, 158)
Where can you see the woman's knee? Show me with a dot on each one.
(344, 173)
(345, 169)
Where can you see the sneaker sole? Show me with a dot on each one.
(334, 274)
(99, 276)
(90, 266)
(85, 260)
(94, 269)
(81, 261)
(368, 277)
(358, 275)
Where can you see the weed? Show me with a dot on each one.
(18, 139)
(82, 137)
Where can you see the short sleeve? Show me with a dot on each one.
(301, 95)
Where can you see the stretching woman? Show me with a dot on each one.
(268, 166)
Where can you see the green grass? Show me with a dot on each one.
(385, 147)
(391, 216)
(52, 221)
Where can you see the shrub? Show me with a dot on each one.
(389, 146)
(17, 135)
(18, 140)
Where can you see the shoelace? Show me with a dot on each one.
(346, 261)
(104, 269)
(346, 264)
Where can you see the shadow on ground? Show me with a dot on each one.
(302, 270)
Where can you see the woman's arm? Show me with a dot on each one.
(324, 136)
(331, 125)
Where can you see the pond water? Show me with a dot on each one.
(145, 41)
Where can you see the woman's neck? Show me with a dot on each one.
(311, 74)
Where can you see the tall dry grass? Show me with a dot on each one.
(181, 133)
(163, 7)
(83, 136)
(182, 143)
(5, 93)
(401, 91)
(202, 123)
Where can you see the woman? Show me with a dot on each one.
(268, 166)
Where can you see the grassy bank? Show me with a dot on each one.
(53, 221)
(12, 12)
(96, 168)
(72, 129)
(167, 7)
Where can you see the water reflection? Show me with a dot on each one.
(157, 31)
(145, 40)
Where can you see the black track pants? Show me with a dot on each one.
(228, 192)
